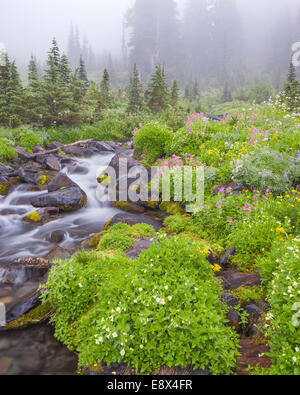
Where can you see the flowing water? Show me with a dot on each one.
(20, 239)
(34, 350)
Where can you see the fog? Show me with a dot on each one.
(259, 33)
(27, 26)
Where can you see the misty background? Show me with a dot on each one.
(213, 41)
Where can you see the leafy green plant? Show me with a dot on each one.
(6, 152)
(152, 141)
(266, 169)
(163, 310)
(280, 272)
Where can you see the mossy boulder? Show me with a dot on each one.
(33, 317)
(62, 193)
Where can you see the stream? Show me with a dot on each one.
(34, 350)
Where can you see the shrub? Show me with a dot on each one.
(266, 169)
(6, 152)
(163, 310)
(280, 271)
(251, 237)
(29, 140)
(177, 223)
(152, 141)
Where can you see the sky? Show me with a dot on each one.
(28, 26)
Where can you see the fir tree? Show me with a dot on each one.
(158, 95)
(292, 73)
(33, 93)
(227, 96)
(174, 93)
(4, 81)
(58, 94)
(135, 93)
(105, 87)
(15, 96)
(82, 74)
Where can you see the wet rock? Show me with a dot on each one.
(29, 176)
(54, 145)
(69, 199)
(24, 269)
(132, 219)
(75, 150)
(234, 320)
(60, 181)
(37, 148)
(4, 365)
(57, 236)
(225, 257)
(101, 146)
(229, 300)
(42, 215)
(124, 184)
(232, 279)
(253, 311)
(23, 307)
(59, 253)
(138, 247)
(78, 170)
(3, 180)
(22, 155)
(129, 207)
(49, 162)
(4, 170)
(6, 184)
(12, 211)
(62, 193)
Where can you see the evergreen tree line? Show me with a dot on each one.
(63, 96)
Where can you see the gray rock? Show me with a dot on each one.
(60, 181)
(225, 257)
(57, 236)
(68, 199)
(229, 300)
(132, 219)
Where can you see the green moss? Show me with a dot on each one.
(177, 223)
(107, 224)
(104, 179)
(34, 317)
(43, 180)
(32, 217)
(248, 294)
(129, 207)
(3, 188)
(171, 208)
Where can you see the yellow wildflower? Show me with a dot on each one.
(216, 268)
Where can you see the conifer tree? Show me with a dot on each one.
(33, 93)
(135, 93)
(82, 74)
(174, 93)
(105, 87)
(292, 73)
(4, 81)
(158, 96)
(15, 96)
(58, 94)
